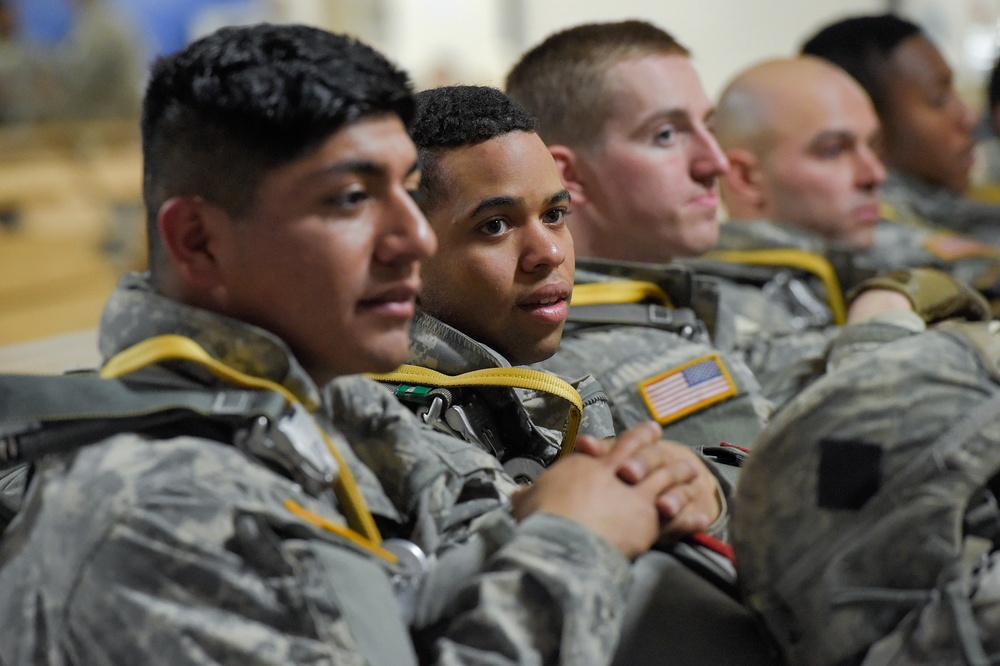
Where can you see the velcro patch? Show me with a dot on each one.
(850, 473)
(687, 388)
(953, 246)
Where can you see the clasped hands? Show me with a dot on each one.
(635, 490)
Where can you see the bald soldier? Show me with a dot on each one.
(800, 137)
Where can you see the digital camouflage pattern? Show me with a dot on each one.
(769, 235)
(862, 517)
(902, 242)
(182, 550)
(541, 417)
(911, 198)
(620, 357)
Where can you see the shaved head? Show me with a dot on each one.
(777, 96)
(799, 134)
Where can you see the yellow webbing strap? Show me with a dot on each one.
(525, 378)
(793, 258)
(363, 530)
(618, 291)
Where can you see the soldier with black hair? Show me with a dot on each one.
(927, 139)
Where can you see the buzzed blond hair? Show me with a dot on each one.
(563, 81)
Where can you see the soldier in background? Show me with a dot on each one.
(95, 72)
(927, 139)
(799, 135)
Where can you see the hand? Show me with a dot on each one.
(875, 301)
(691, 501)
(590, 490)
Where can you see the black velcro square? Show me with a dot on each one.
(850, 473)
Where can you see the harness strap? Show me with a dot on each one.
(175, 347)
(809, 262)
(636, 314)
(524, 378)
(619, 291)
(55, 399)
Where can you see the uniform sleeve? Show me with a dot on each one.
(542, 591)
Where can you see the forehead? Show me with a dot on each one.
(514, 164)
(917, 62)
(376, 146)
(825, 103)
(656, 84)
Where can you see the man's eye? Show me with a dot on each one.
(556, 216)
(665, 135)
(347, 199)
(494, 227)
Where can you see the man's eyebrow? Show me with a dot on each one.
(363, 168)
(495, 202)
(673, 115)
(832, 135)
(559, 197)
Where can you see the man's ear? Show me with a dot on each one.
(189, 231)
(568, 164)
(744, 179)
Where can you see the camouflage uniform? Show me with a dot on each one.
(855, 526)
(768, 235)
(182, 550)
(673, 609)
(624, 358)
(911, 198)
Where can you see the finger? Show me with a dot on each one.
(644, 434)
(592, 446)
(662, 479)
(685, 523)
(661, 454)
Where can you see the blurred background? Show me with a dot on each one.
(72, 74)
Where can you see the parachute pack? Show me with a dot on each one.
(869, 507)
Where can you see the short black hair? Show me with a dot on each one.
(862, 46)
(455, 116)
(228, 108)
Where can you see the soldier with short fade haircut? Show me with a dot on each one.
(926, 137)
(496, 294)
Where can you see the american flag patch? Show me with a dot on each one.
(687, 388)
(951, 247)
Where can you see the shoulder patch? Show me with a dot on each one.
(687, 388)
(950, 247)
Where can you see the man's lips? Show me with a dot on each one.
(395, 301)
(549, 303)
(867, 214)
(706, 200)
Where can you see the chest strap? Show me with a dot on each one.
(617, 292)
(524, 378)
(809, 262)
(178, 348)
(623, 302)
